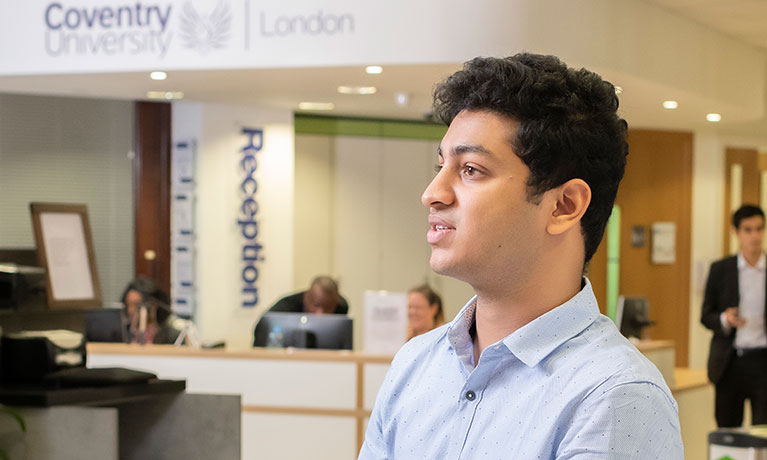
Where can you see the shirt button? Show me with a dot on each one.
(470, 395)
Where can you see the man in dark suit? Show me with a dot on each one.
(734, 308)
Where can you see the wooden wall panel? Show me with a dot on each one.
(152, 141)
(657, 187)
(749, 160)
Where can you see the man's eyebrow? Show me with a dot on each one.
(466, 148)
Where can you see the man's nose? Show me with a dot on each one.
(439, 192)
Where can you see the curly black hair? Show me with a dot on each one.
(568, 125)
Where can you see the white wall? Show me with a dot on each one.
(314, 210)
(708, 162)
(70, 150)
(219, 314)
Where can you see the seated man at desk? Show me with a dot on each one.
(321, 297)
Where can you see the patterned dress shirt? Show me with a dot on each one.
(567, 385)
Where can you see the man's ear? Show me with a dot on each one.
(572, 200)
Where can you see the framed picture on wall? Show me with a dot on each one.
(65, 250)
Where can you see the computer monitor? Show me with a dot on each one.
(304, 330)
(105, 325)
(633, 316)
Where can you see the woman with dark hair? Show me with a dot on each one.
(424, 310)
(147, 309)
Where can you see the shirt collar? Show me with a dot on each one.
(537, 339)
(458, 331)
(760, 263)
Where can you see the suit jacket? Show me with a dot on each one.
(722, 292)
(294, 303)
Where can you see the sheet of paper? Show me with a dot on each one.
(67, 255)
(182, 163)
(183, 213)
(663, 242)
(385, 326)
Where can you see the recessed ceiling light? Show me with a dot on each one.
(158, 75)
(374, 69)
(316, 105)
(402, 99)
(714, 117)
(167, 95)
(671, 105)
(357, 89)
(618, 89)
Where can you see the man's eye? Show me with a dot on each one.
(470, 171)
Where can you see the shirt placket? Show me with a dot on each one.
(469, 399)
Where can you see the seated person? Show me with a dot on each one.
(321, 297)
(155, 325)
(424, 310)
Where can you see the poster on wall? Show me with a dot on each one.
(663, 242)
(65, 250)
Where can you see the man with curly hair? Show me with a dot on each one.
(529, 369)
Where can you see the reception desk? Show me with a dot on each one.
(295, 403)
(315, 403)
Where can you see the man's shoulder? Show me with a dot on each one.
(725, 262)
(289, 303)
(416, 349)
(343, 306)
(607, 358)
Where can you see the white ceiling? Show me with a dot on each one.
(281, 88)
(746, 20)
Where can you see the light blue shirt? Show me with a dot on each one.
(565, 386)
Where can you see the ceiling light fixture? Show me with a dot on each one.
(167, 95)
(618, 89)
(316, 105)
(357, 90)
(374, 69)
(714, 117)
(671, 105)
(158, 75)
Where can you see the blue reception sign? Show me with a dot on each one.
(248, 220)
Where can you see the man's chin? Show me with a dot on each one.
(437, 267)
(443, 266)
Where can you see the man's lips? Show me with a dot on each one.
(438, 229)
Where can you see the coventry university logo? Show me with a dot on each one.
(205, 32)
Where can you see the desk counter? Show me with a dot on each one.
(322, 397)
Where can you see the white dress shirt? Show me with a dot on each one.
(751, 285)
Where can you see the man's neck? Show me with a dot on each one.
(503, 310)
(752, 258)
